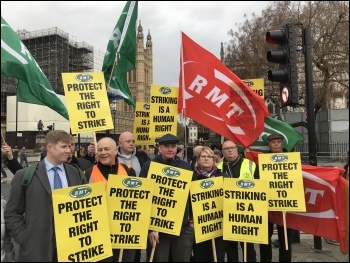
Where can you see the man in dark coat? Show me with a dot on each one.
(181, 246)
(29, 212)
(82, 163)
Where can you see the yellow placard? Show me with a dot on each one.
(284, 174)
(207, 204)
(87, 102)
(170, 196)
(245, 210)
(163, 117)
(141, 124)
(129, 202)
(257, 85)
(81, 225)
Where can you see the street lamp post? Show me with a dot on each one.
(113, 107)
(114, 123)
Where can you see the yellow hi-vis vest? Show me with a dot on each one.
(247, 169)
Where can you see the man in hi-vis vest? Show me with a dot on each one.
(235, 166)
(107, 163)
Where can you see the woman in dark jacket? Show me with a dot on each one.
(205, 168)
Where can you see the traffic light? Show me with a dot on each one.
(285, 56)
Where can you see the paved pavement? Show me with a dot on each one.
(305, 252)
(301, 252)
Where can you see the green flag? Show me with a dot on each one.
(33, 87)
(271, 126)
(121, 54)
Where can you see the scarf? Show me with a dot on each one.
(205, 173)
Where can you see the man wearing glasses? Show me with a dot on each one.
(235, 166)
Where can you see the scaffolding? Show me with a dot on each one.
(55, 53)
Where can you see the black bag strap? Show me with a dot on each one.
(28, 174)
(126, 167)
(81, 173)
(30, 171)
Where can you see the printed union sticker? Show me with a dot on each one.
(171, 171)
(132, 182)
(80, 192)
(83, 77)
(279, 158)
(205, 184)
(246, 184)
(165, 90)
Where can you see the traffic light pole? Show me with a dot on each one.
(307, 43)
(286, 57)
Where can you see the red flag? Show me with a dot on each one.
(325, 214)
(216, 98)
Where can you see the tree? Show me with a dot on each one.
(245, 53)
(181, 132)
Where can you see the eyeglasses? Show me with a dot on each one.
(206, 156)
(229, 148)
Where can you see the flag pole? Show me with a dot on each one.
(183, 94)
(186, 142)
(182, 74)
(110, 77)
(109, 101)
(108, 84)
(3, 138)
(116, 54)
(16, 118)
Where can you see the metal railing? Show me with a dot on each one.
(335, 151)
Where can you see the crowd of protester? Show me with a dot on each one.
(29, 220)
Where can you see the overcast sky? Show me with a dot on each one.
(207, 23)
